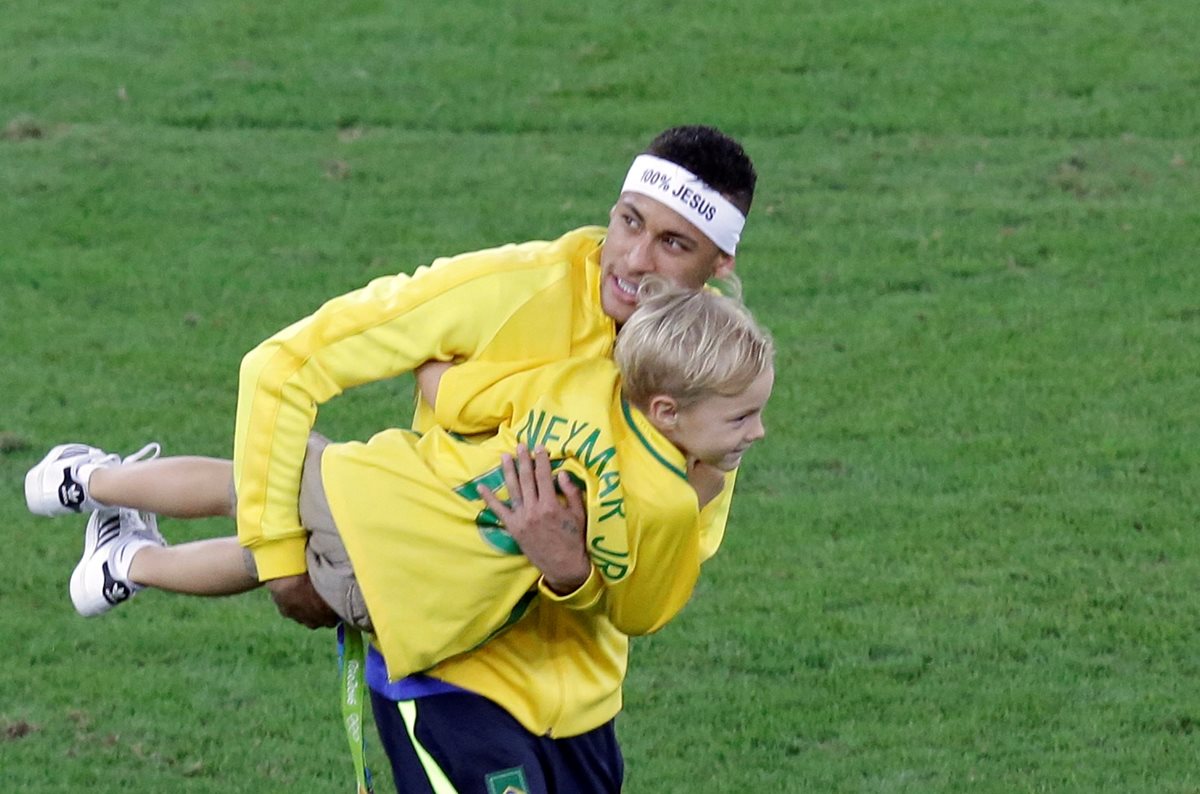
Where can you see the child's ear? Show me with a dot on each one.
(663, 411)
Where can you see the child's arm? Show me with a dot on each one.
(479, 396)
(665, 557)
(713, 517)
(667, 544)
(708, 481)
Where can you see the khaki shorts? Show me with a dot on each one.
(328, 563)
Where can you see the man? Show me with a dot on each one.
(533, 707)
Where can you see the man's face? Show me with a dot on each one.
(647, 237)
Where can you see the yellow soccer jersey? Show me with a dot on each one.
(559, 669)
(439, 576)
(537, 300)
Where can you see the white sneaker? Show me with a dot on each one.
(58, 484)
(101, 579)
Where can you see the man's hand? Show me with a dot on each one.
(295, 598)
(551, 533)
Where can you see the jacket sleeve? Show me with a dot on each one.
(382, 330)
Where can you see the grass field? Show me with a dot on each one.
(963, 560)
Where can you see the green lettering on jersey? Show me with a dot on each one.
(615, 507)
(610, 563)
(531, 428)
(589, 457)
(550, 435)
(576, 429)
(609, 482)
(612, 571)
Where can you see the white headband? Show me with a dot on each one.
(676, 187)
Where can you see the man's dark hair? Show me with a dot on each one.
(714, 157)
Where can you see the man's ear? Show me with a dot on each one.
(663, 411)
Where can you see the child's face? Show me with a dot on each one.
(718, 430)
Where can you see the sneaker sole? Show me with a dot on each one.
(85, 606)
(88, 607)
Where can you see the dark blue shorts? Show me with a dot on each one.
(476, 747)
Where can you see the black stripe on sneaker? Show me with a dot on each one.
(108, 530)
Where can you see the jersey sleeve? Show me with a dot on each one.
(667, 557)
(382, 330)
(666, 567)
(713, 518)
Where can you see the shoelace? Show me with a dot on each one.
(154, 449)
(148, 521)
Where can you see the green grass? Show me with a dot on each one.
(963, 558)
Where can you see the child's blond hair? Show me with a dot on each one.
(689, 345)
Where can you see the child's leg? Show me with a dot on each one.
(213, 567)
(123, 553)
(179, 487)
